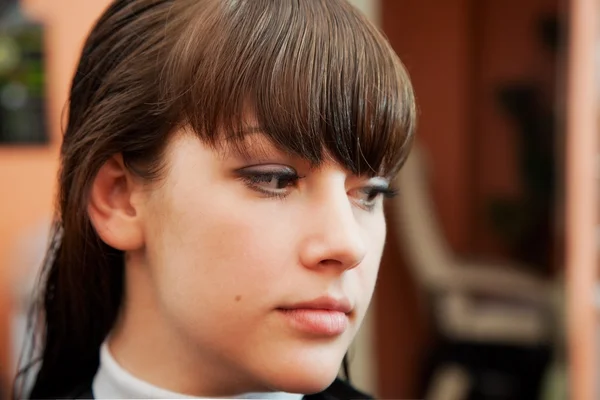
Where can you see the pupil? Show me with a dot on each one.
(282, 183)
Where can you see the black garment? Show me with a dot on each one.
(339, 390)
(496, 371)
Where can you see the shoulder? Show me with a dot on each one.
(339, 390)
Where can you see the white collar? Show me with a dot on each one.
(114, 382)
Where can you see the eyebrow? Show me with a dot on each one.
(244, 144)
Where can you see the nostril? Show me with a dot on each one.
(331, 263)
(347, 260)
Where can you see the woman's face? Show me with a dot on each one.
(261, 265)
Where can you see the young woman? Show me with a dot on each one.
(220, 220)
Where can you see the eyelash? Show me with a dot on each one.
(372, 192)
(386, 192)
(253, 179)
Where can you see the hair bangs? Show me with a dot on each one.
(314, 76)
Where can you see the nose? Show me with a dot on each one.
(334, 237)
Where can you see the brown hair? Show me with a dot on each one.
(316, 75)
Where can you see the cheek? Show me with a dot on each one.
(220, 250)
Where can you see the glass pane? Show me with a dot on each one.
(22, 99)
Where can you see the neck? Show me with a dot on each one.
(148, 346)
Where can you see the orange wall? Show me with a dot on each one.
(432, 39)
(27, 175)
(507, 48)
(456, 51)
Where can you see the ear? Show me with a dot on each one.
(113, 209)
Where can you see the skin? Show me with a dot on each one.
(212, 256)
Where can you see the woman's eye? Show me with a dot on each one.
(272, 182)
(368, 197)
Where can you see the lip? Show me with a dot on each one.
(326, 303)
(324, 316)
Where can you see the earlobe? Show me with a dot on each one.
(112, 209)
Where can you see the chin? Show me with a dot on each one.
(304, 383)
(303, 374)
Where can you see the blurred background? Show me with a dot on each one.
(488, 283)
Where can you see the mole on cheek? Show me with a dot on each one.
(238, 298)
